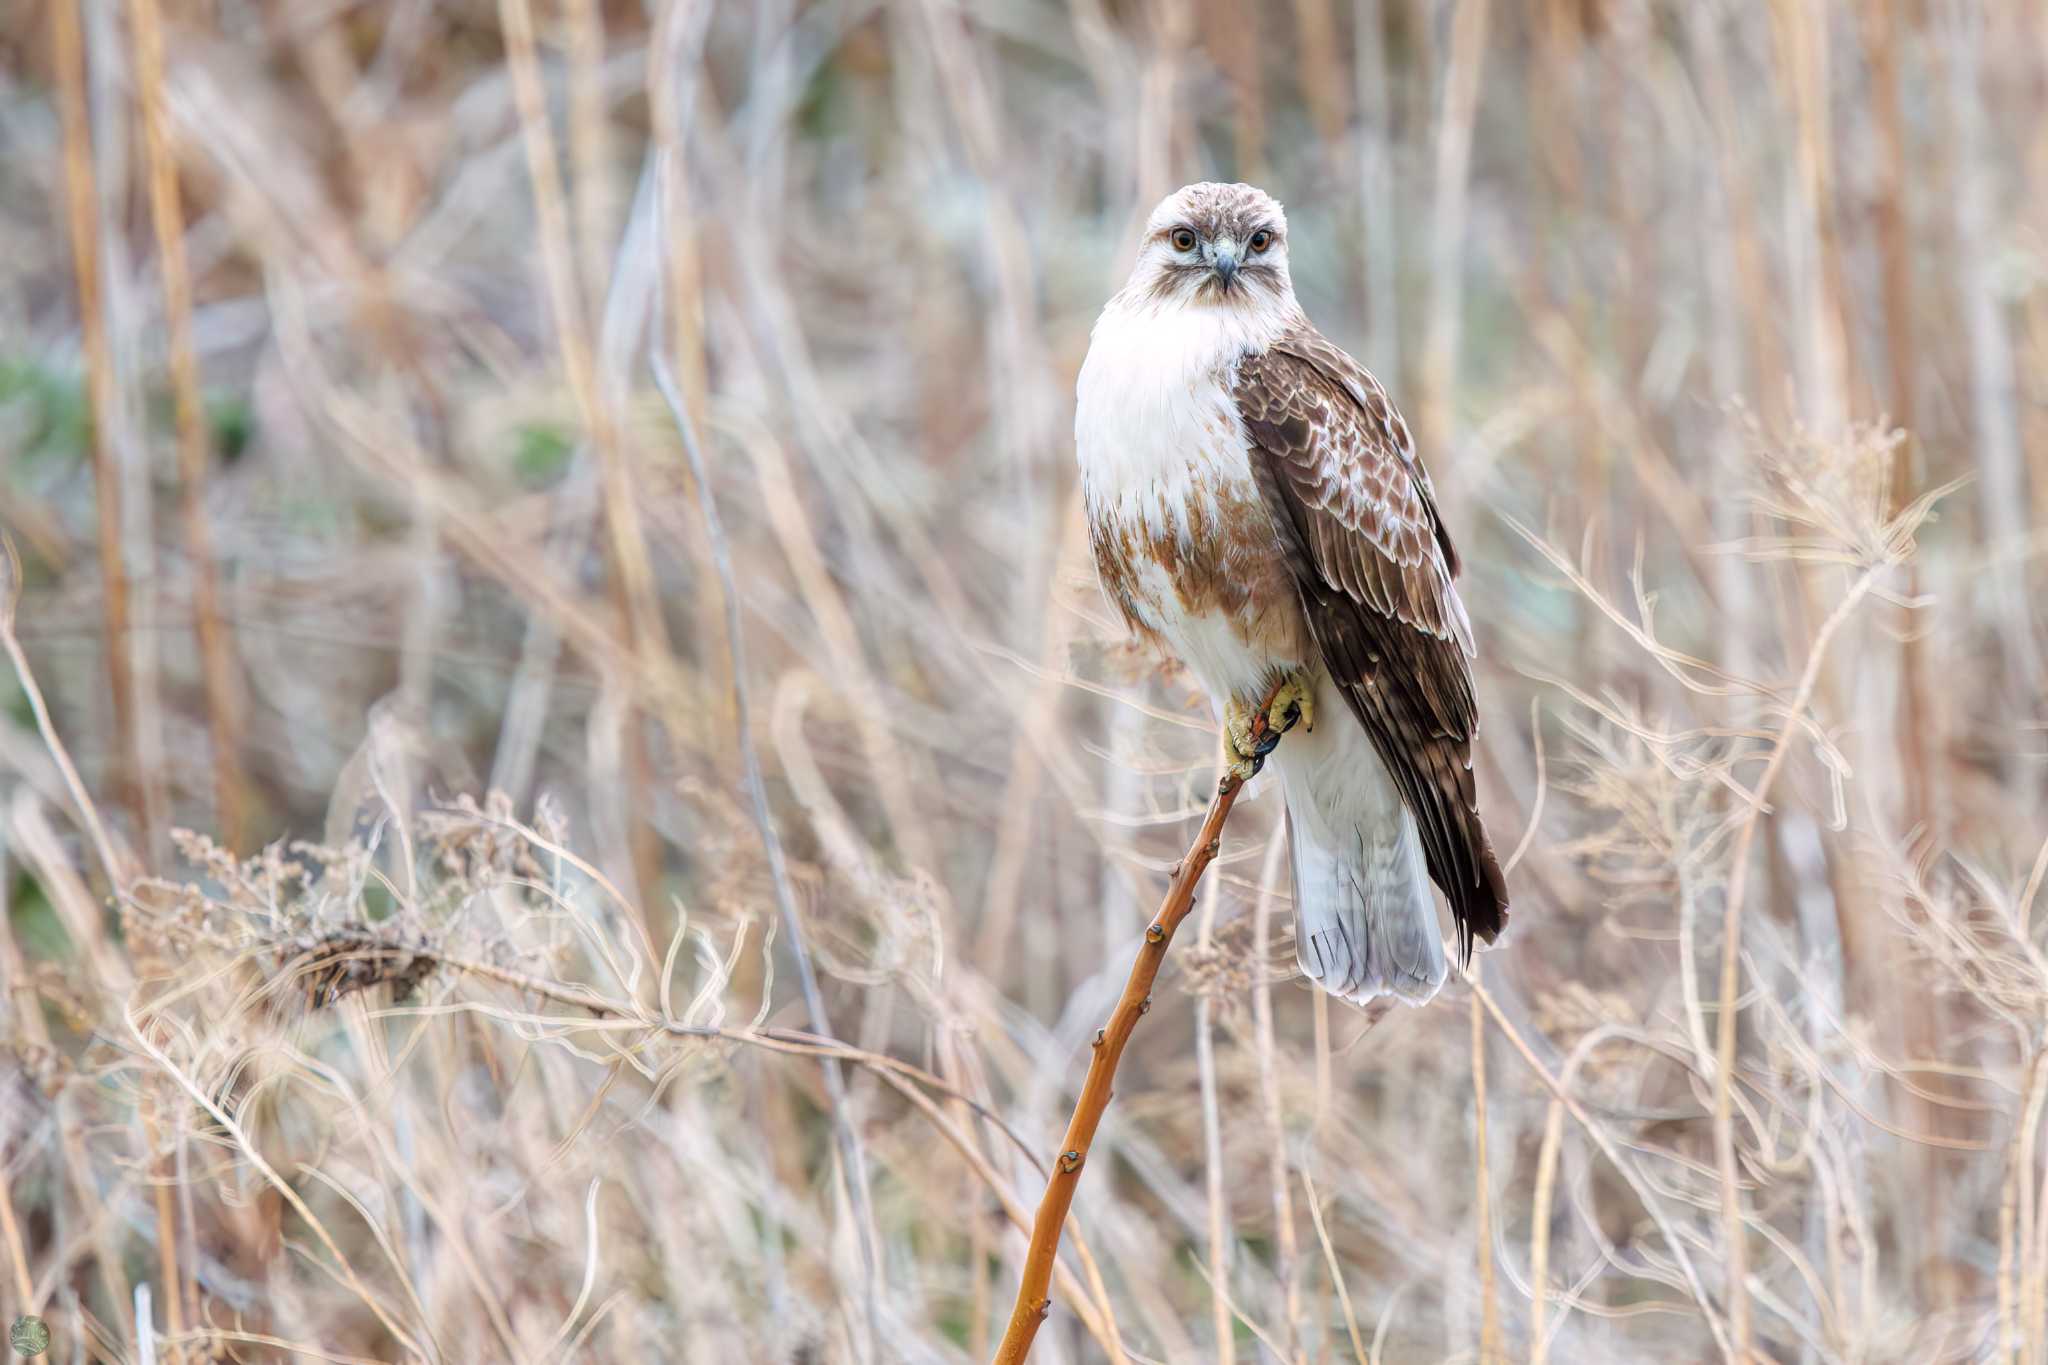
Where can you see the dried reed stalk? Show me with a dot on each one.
(120, 868)
(634, 586)
(600, 421)
(1732, 1221)
(1880, 42)
(68, 56)
(216, 660)
(1489, 1306)
(1286, 1252)
(17, 995)
(1220, 1238)
(1315, 1213)
(1032, 1302)
(845, 1138)
(1459, 111)
(163, 1173)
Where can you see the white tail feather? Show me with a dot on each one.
(1365, 917)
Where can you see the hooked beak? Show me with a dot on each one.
(1223, 264)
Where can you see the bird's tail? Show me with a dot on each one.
(1365, 920)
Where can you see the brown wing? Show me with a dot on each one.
(1357, 516)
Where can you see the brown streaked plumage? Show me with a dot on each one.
(1220, 563)
(1357, 517)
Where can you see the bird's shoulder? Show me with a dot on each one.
(1304, 375)
(1338, 462)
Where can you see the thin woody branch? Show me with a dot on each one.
(1033, 1301)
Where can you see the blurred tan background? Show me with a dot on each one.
(393, 969)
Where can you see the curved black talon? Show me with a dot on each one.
(1269, 738)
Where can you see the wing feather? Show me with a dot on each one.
(1357, 518)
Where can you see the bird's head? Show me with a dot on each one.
(1218, 246)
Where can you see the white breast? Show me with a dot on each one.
(1161, 444)
(1154, 418)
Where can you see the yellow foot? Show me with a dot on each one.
(1292, 704)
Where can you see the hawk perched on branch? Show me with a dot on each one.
(1257, 509)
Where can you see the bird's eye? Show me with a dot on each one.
(1261, 240)
(1183, 240)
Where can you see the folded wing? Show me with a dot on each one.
(1357, 517)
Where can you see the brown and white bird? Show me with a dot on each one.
(1257, 509)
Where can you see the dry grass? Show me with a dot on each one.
(393, 962)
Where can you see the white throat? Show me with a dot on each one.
(1193, 335)
(1155, 414)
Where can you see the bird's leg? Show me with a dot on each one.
(1291, 703)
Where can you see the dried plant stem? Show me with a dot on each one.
(1095, 1315)
(18, 995)
(1674, 1244)
(343, 1268)
(866, 702)
(1731, 975)
(1218, 1273)
(1546, 1187)
(1539, 1231)
(17, 1251)
(215, 655)
(2014, 1280)
(2008, 1200)
(1032, 1303)
(1026, 768)
(1315, 1213)
(634, 585)
(1880, 42)
(844, 1138)
(1489, 1309)
(1319, 1012)
(1286, 1251)
(118, 868)
(1381, 304)
(2034, 1327)
(589, 141)
(1236, 50)
(613, 1013)
(68, 56)
(28, 1027)
(1212, 1149)
(163, 1172)
(671, 58)
(1752, 276)
(622, 515)
(1322, 73)
(1447, 218)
